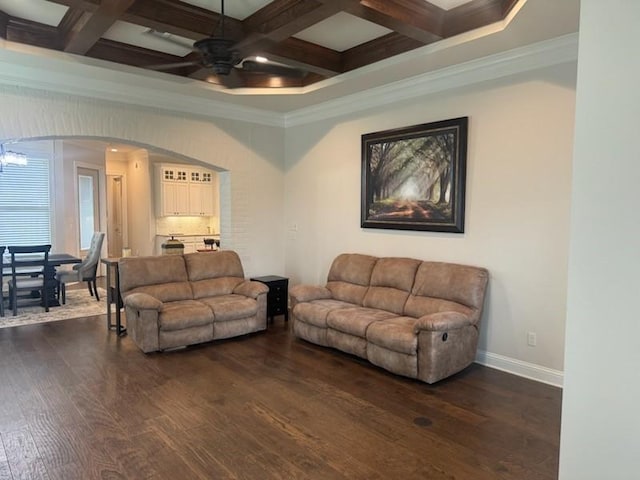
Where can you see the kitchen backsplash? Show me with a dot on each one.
(187, 225)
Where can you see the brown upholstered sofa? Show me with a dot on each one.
(177, 300)
(413, 318)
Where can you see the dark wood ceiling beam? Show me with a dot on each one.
(419, 21)
(179, 18)
(127, 54)
(33, 33)
(4, 21)
(282, 19)
(90, 28)
(307, 56)
(70, 20)
(376, 50)
(475, 15)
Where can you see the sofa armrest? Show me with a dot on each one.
(142, 301)
(442, 321)
(250, 288)
(306, 293)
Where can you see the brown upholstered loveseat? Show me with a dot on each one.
(414, 318)
(177, 300)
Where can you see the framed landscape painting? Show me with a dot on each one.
(413, 178)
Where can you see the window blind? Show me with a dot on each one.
(25, 212)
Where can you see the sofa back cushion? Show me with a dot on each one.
(446, 286)
(349, 277)
(164, 277)
(213, 273)
(391, 283)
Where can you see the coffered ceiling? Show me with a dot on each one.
(304, 41)
(350, 50)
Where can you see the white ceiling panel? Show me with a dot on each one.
(448, 4)
(39, 11)
(238, 9)
(125, 32)
(342, 32)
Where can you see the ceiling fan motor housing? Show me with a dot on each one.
(217, 54)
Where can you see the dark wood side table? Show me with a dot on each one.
(113, 294)
(278, 296)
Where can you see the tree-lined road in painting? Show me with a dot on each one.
(410, 179)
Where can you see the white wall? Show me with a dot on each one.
(141, 221)
(600, 421)
(252, 154)
(517, 209)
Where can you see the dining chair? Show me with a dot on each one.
(28, 273)
(2, 249)
(84, 271)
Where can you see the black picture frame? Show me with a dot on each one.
(413, 178)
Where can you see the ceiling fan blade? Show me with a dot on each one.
(252, 66)
(171, 66)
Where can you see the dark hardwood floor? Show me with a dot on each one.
(77, 402)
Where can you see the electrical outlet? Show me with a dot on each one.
(532, 339)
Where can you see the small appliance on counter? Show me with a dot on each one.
(173, 246)
(210, 245)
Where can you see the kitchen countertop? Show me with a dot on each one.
(183, 235)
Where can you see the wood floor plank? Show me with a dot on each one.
(23, 457)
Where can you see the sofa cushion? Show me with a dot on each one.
(355, 320)
(349, 277)
(184, 314)
(418, 306)
(231, 307)
(214, 286)
(165, 292)
(395, 334)
(205, 265)
(391, 282)
(139, 271)
(315, 312)
(457, 283)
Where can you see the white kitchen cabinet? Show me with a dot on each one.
(185, 190)
(174, 198)
(201, 199)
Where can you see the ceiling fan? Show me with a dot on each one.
(217, 53)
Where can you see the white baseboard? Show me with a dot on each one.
(520, 368)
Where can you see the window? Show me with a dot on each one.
(88, 208)
(25, 212)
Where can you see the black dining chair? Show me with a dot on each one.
(29, 273)
(2, 249)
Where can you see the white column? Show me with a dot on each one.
(601, 407)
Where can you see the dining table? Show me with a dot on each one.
(54, 261)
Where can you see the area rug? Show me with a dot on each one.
(79, 304)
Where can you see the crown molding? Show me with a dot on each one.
(556, 51)
(31, 67)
